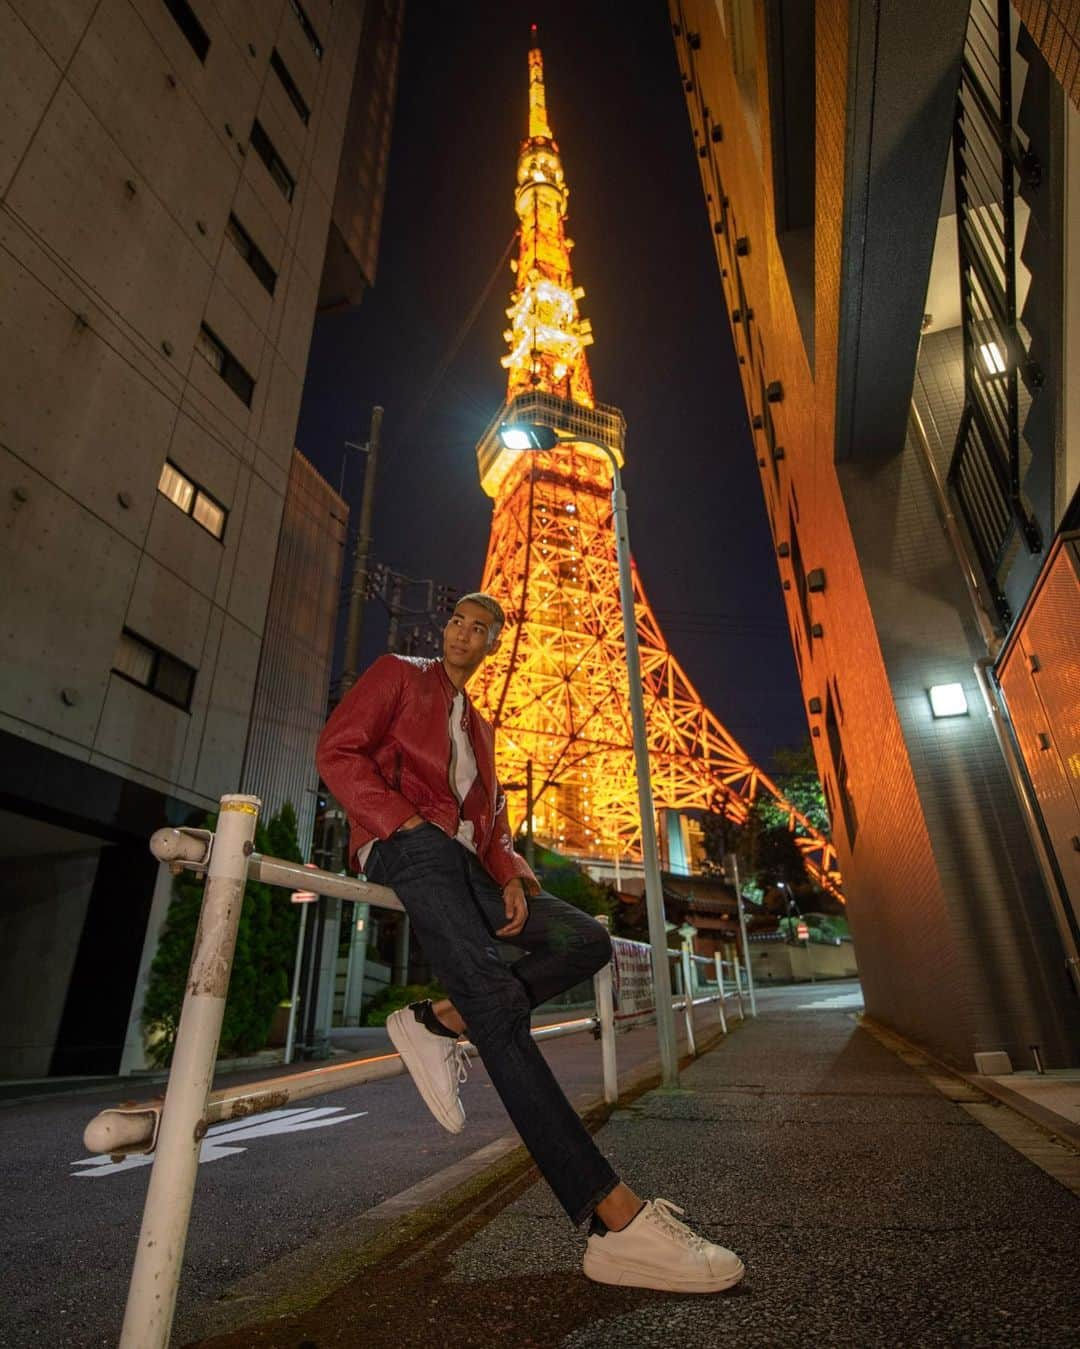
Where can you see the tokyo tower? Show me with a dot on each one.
(557, 688)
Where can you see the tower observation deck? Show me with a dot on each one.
(557, 689)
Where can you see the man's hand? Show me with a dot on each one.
(407, 826)
(517, 911)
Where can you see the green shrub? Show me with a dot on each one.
(262, 964)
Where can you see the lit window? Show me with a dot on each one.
(992, 359)
(142, 663)
(948, 700)
(176, 487)
(217, 355)
(209, 514)
(192, 499)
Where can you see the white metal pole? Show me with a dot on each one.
(160, 1252)
(290, 1034)
(738, 985)
(654, 894)
(688, 997)
(719, 962)
(133, 1057)
(605, 1015)
(742, 933)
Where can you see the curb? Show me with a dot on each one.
(1058, 1126)
(487, 1179)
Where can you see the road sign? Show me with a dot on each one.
(804, 932)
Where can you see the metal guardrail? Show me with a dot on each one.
(173, 1127)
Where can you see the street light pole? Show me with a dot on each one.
(546, 438)
(654, 893)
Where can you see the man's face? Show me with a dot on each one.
(466, 636)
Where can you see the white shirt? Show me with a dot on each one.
(461, 773)
(462, 766)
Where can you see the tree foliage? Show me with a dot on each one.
(262, 964)
(563, 877)
(764, 845)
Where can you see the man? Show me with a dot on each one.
(413, 763)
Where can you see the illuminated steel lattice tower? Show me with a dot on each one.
(557, 688)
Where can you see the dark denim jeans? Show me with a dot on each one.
(455, 908)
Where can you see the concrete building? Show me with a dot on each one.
(289, 706)
(894, 195)
(179, 182)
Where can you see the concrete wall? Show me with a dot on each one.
(124, 155)
(933, 857)
(780, 962)
(289, 708)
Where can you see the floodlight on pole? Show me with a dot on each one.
(532, 438)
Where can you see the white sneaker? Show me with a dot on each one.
(437, 1064)
(655, 1250)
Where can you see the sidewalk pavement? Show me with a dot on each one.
(869, 1202)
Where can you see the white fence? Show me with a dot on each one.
(173, 1127)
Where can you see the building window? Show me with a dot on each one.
(264, 148)
(141, 662)
(296, 98)
(216, 354)
(192, 499)
(744, 58)
(768, 425)
(242, 241)
(190, 26)
(843, 785)
(800, 575)
(789, 30)
(308, 28)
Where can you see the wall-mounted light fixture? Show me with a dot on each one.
(948, 700)
(992, 358)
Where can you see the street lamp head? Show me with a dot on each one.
(527, 436)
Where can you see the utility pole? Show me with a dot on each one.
(361, 553)
(397, 598)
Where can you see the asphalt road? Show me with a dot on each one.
(69, 1222)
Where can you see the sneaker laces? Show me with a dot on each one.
(663, 1212)
(459, 1056)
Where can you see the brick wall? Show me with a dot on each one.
(1055, 26)
(943, 898)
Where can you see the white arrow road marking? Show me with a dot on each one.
(838, 1000)
(273, 1122)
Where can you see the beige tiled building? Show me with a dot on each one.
(181, 182)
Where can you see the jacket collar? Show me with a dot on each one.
(449, 687)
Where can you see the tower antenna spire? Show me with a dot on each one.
(547, 336)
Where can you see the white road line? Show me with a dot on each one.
(837, 1001)
(263, 1126)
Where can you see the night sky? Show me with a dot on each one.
(652, 290)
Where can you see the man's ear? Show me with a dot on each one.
(494, 646)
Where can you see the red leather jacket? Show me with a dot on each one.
(385, 754)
